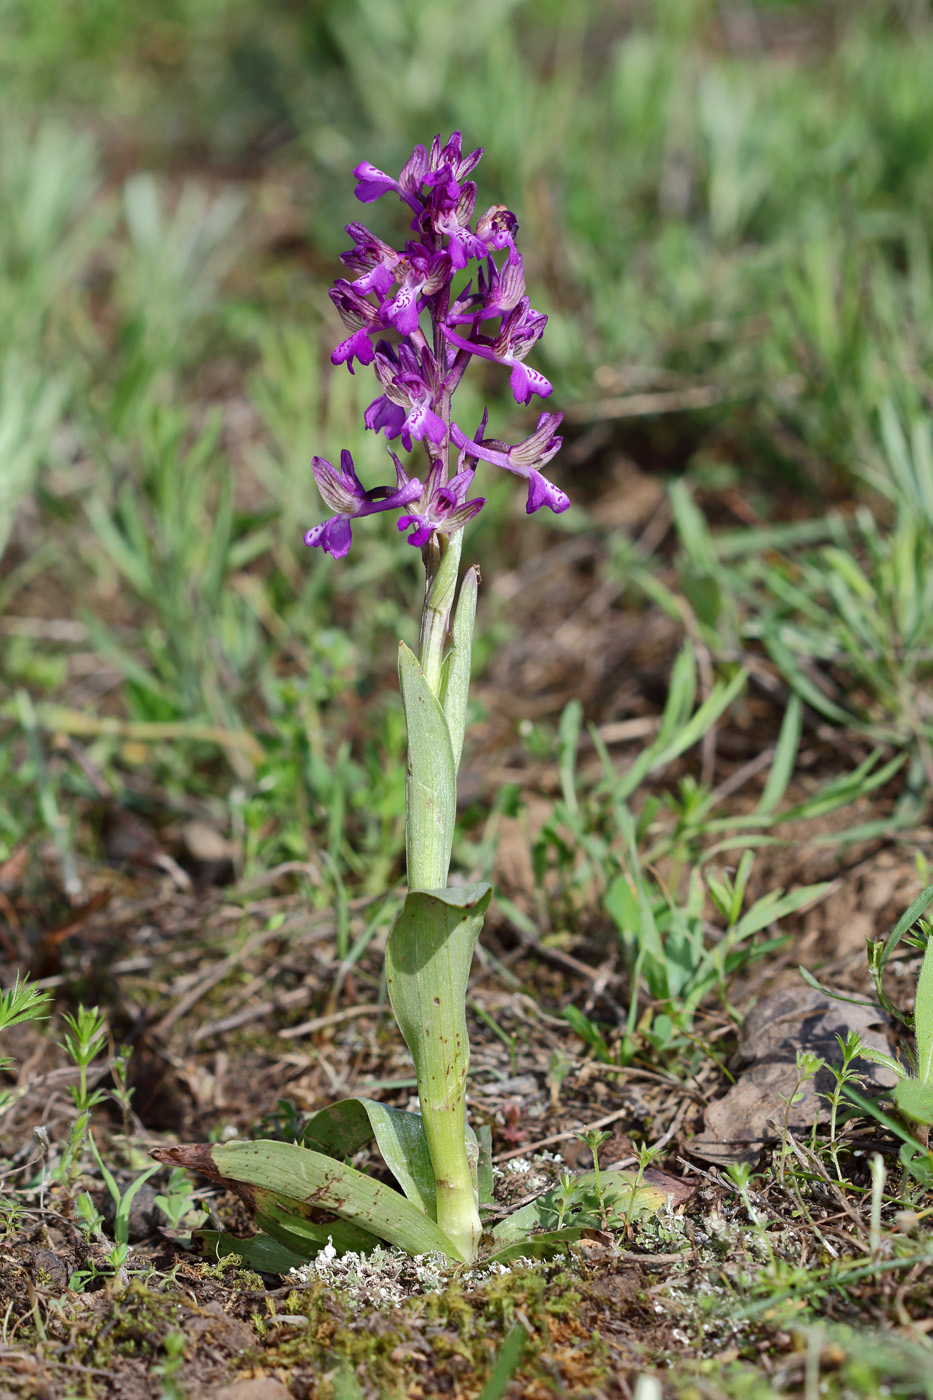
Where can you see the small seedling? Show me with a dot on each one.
(913, 1092)
(121, 1093)
(177, 1201)
(566, 1196)
(740, 1174)
(122, 1200)
(853, 1049)
(85, 1038)
(913, 1089)
(22, 1002)
(594, 1139)
(644, 1156)
(173, 1344)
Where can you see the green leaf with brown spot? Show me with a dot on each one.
(273, 1176)
(343, 1128)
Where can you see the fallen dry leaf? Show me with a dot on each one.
(792, 1019)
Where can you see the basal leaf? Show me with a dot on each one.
(484, 1165)
(261, 1252)
(914, 1099)
(343, 1128)
(546, 1244)
(298, 1178)
(294, 1231)
(621, 1199)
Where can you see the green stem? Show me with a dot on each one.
(457, 1213)
(443, 1098)
(428, 863)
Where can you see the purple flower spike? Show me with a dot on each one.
(487, 316)
(344, 493)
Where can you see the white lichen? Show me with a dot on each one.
(383, 1278)
(386, 1277)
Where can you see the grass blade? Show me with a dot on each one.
(904, 923)
(923, 1018)
(510, 1354)
(785, 756)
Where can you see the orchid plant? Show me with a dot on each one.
(442, 1170)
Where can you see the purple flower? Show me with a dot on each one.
(442, 508)
(356, 346)
(411, 384)
(447, 162)
(497, 228)
(383, 414)
(520, 330)
(344, 493)
(425, 272)
(450, 218)
(375, 260)
(498, 291)
(373, 183)
(524, 459)
(359, 316)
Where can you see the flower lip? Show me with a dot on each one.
(356, 346)
(373, 183)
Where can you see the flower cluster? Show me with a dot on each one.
(393, 291)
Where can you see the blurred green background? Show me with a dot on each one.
(726, 211)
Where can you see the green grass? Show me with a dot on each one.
(734, 248)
